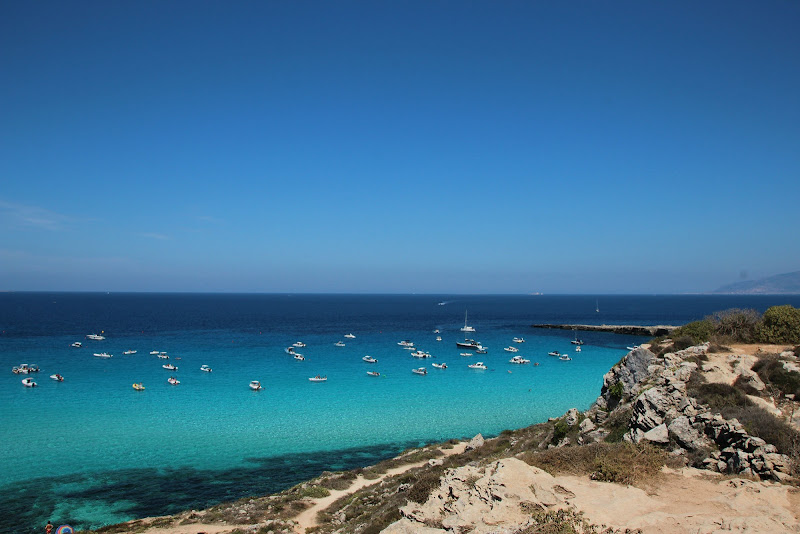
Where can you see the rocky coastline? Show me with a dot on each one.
(652, 454)
(631, 330)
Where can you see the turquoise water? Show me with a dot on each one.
(91, 450)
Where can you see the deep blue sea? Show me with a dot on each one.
(90, 450)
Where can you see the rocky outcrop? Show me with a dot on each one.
(626, 375)
(629, 330)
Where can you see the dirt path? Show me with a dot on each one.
(308, 518)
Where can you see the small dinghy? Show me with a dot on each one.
(373, 373)
(318, 378)
(57, 377)
(477, 365)
(173, 381)
(138, 386)
(298, 356)
(205, 368)
(369, 359)
(255, 385)
(440, 365)
(420, 371)
(28, 383)
(102, 355)
(170, 367)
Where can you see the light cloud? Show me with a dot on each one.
(208, 218)
(32, 216)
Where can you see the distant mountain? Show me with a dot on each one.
(787, 284)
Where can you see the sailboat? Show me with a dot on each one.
(597, 306)
(467, 328)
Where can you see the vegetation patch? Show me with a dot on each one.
(770, 370)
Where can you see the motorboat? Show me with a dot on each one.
(511, 349)
(76, 345)
(298, 344)
(466, 328)
(57, 377)
(138, 386)
(154, 353)
(554, 353)
(289, 350)
(173, 381)
(466, 354)
(420, 371)
(518, 340)
(298, 356)
(468, 344)
(564, 358)
(129, 352)
(633, 347)
(170, 367)
(438, 338)
(318, 378)
(436, 331)
(410, 347)
(421, 354)
(477, 365)
(28, 383)
(102, 355)
(518, 360)
(440, 365)
(577, 341)
(406, 343)
(339, 344)
(95, 337)
(205, 368)
(255, 385)
(350, 336)
(22, 369)
(373, 373)
(481, 350)
(369, 359)
(578, 348)
(163, 356)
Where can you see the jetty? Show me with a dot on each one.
(631, 330)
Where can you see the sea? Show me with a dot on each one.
(90, 450)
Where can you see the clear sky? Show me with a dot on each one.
(467, 147)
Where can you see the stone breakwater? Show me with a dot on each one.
(631, 330)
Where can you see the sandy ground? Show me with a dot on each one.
(308, 518)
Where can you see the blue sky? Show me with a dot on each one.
(434, 147)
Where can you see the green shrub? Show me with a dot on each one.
(421, 489)
(780, 324)
(617, 390)
(736, 324)
(560, 430)
(772, 373)
(759, 422)
(617, 425)
(315, 492)
(699, 331)
(683, 342)
(719, 397)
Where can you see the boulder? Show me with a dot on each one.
(686, 436)
(658, 434)
(571, 417)
(586, 426)
(474, 443)
(631, 370)
(650, 408)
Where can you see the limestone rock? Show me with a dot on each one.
(571, 417)
(683, 432)
(475, 442)
(658, 434)
(586, 426)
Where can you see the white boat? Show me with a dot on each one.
(633, 347)
(349, 336)
(102, 355)
(369, 359)
(318, 378)
(554, 353)
(466, 354)
(96, 337)
(421, 354)
(468, 344)
(163, 356)
(255, 385)
(518, 340)
(205, 368)
(597, 306)
(477, 365)
(77, 344)
(564, 358)
(481, 350)
(405, 343)
(289, 350)
(578, 348)
(174, 381)
(373, 373)
(466, 328)
(21, 369)
(154, 353)
(410, 347)
(438, 338)
(440, 365)
(170, 367)
(420, 371)
(436, 331)
(129, 352)
(298, 344)
(518, 360)
(511, 349)
(57, 377)
(299, 356)
(28, 383)
(339, 344)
